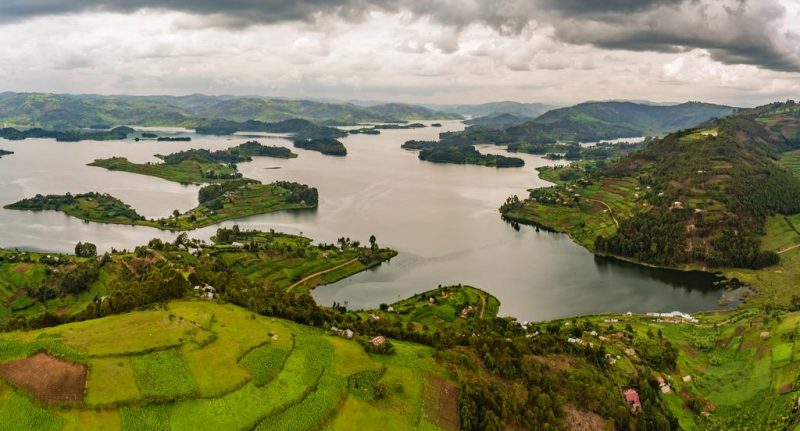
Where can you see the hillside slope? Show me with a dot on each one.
(61, 111)
(696, 197)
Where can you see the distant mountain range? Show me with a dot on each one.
(593, 121)
(528, 110)
(63, 111)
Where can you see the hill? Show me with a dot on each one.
(497, 121)
(62, 111)
(643, 119)
(703, 197)
(530, 110)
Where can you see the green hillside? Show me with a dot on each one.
(714, 197)
(61, 111)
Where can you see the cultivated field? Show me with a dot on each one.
(200, 365)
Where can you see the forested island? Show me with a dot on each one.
(217, 203)
(198, 165)
(116, 133)
(446, 151)
(327, 146)
(173, 138)
(297, 129)
(5, 153)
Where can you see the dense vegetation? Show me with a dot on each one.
(198, 165)
(296, 128)
(700, 196)
(473, 371)
(447, 151)
(5, 153)
(327, 146)
(116, 133)
(591, 122)
(218, 202)
(68, 112)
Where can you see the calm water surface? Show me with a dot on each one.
(443, 220)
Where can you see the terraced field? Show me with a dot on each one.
(196, 365)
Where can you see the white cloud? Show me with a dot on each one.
(384, 55)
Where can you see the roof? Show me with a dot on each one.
(378, 341)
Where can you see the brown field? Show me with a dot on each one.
(441, 400)
(48, 379)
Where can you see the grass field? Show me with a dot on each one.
(185, 172)
(201, 365)
(447, 306)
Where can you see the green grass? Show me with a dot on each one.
(185, 172)
(445, 311)
(227, 372)
(111, 380)
(163, 375)
(244, 201)
(18, 412)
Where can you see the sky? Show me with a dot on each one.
(738, 52)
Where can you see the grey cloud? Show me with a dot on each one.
(733, 31)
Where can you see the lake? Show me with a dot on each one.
(443, 220)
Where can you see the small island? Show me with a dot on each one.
(5, 153)
(218, 203)
(116, 133)
(327, 146)
(173, 138)
(198, 166)
(460, 153)
(398, 126)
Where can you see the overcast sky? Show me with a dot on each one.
(451, 51)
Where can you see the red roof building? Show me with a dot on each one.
(632, 397)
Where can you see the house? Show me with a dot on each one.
(665, 388)
(348, 334)
(378, 341)
(632, 398)
(687, 379)
(374, 316)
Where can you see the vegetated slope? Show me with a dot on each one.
(696, 197)
(497, 120)
(407, 112)
(61, 111)
(530, 110)
(642, 118)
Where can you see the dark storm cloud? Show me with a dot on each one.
(733, 31)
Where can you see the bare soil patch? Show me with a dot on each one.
(688, 350)
(441, 402)
(22, 268)
(48, 379)
(556, 362)
(582, 420)
(14, 297)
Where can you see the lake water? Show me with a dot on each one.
(443, 220)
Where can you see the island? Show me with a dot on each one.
(198, 165)
(217, 203)
(5, 153)
(460, 153)
(174, 138)
(296, 128)
(116, 133)
(327, 146)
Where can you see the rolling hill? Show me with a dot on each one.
(62, 111)
(701, 197)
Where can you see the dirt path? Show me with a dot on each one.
(289, 289)
(610, 211)
(789, 248)
(483, 304)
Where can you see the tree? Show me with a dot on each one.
(373, 242)
(85, 249)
